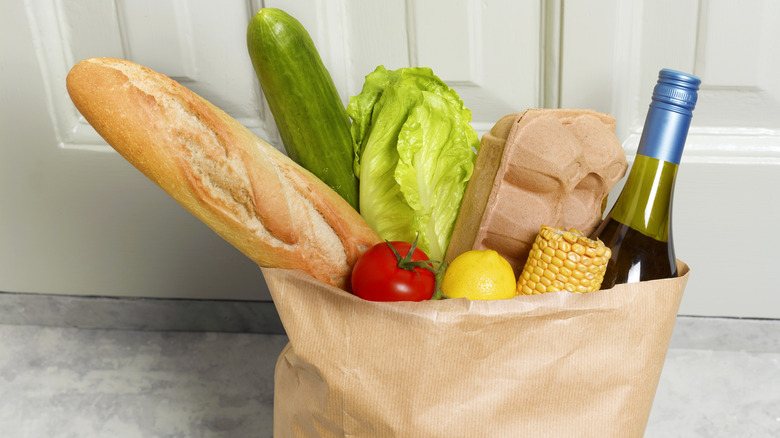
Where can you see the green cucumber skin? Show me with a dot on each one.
(303, 99)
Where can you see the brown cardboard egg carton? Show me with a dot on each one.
(540, 167)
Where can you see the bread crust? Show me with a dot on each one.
(273, 210)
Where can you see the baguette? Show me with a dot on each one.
(271, 209)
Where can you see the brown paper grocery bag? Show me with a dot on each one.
(551, 365)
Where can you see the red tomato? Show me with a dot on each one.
(379, 275)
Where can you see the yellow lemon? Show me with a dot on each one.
(479, 275)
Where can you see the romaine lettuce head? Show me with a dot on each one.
(414, 154)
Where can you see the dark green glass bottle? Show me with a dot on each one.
(638, 227)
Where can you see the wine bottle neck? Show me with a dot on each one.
(646, 200)
(665, 131)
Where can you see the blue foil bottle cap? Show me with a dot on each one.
(669, 117)
(676, 89)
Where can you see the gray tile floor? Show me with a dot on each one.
(721, 379)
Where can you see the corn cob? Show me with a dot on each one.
(563, 260)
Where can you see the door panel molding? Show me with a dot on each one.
(204, 49)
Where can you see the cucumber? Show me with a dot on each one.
(306, 106)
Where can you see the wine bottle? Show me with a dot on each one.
(638, 228)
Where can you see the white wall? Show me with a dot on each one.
(76, 219)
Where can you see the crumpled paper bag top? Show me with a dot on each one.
(556, 364)
(540, 167)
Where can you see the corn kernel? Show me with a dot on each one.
(563, 260)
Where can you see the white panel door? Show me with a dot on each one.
(76, 219)
(725, 204)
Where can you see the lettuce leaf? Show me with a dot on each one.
(414, 154)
